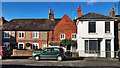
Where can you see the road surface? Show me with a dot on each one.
(71, 63)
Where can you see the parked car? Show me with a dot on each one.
(4, 52)
(50, 53)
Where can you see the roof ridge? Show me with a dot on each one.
(28, 18)
(100, 14)
(95, 15)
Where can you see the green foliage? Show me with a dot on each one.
(28, 44)
(44, 48)
(67, 42)
(54, 43)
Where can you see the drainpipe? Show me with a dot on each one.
(47, 38)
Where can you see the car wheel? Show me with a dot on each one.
(59, 58)
(37, 58)
(0, 57)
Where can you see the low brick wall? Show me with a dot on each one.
(23, 52)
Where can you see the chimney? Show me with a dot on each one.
(1, 21)
(112, 12)
(51, 14)
(79, 11)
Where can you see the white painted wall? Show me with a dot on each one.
(100, 30)
(82, 34)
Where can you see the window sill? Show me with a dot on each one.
(74, 39)
(35, 38)
(21, 38)
(6, 37)
(108, 33)
(62, 39)
(93, 33)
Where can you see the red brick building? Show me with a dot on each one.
(38, 32)
(65, 29)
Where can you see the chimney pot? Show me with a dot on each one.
(112, 12)
(79, 11)
(51, 15)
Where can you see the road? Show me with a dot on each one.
(71, 63)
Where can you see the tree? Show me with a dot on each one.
(67, 43)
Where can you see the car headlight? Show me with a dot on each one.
(33, 54)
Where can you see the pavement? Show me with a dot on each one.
(26, 62)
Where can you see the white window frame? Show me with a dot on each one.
(73, 36)
(7, 44)
(36, 44)
(8, 36)
(21, 43)
(36, 34)
(21, 34)
(62, 36)
(109, 31)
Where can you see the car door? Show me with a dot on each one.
(54, 53)
(45, 53)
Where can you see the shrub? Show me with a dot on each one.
(54, 44)
(28, 44)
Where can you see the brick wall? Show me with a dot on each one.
(14, 39)
(65, 26)
(23, 52)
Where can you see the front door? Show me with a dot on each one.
(108, 48)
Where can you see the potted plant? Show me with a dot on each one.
(28, 45)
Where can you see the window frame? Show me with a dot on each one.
(36, 34)
(35, 46)
(62, 36)
(88, 50)
(8, 32)
(90, 27)
(19, 45)
(8, 44)
(22, 33)
(107, 29)
(73, 35)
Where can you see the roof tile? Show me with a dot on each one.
(31, 24)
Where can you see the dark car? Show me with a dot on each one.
(4, 52)
(50, 53)
(118, 55)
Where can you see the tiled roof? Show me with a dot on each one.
(93, 15)
(31, 24)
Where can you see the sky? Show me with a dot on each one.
(12, 10)
(59, 0)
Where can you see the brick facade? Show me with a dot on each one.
(49, 30)
(14, 38)
(65, 26)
